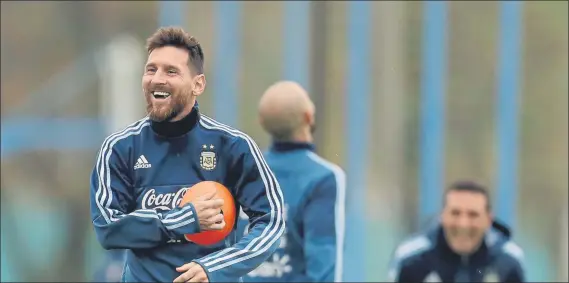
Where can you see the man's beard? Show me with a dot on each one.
(165, 113)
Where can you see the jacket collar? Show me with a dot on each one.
(178, 128)
(282, 146)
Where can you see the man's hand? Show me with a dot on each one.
(208, 211)
(193, 272)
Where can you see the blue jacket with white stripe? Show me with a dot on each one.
(140, 177)
(428, 258)
(314, 193)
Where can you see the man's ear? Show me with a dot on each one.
(308, 117)
(199, 84)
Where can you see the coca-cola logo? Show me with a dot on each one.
(162, 201)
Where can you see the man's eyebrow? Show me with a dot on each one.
(152, 64)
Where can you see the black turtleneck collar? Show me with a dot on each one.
(177, 128)
(448, 253)
(288, 146)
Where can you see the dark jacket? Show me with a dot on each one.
(140, 177)
(427, 257)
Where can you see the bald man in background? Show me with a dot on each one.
(311, 249)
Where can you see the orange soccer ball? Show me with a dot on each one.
(228, 209)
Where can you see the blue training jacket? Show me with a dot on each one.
(140, 177)
(314, 193)
(427, 257)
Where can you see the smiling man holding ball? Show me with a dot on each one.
(143, 172)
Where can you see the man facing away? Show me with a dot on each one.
(143, 171)
(314, 193)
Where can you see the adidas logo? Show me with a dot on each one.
(142, 163)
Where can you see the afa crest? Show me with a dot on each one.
(208, 159)
(432, 277)
(491, 276)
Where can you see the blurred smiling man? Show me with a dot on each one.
(468, 245)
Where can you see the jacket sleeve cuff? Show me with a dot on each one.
(210, 276)
(182, 221)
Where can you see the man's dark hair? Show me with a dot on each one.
(177, 37)
(470, 186)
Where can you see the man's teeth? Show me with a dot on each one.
(160, 94)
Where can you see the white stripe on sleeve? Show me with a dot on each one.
(274, 229)
(339, 211)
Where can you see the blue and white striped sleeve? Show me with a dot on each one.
(324, 236)
(398, 270)
(516, 271)
(116, 225)
(259, 194)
